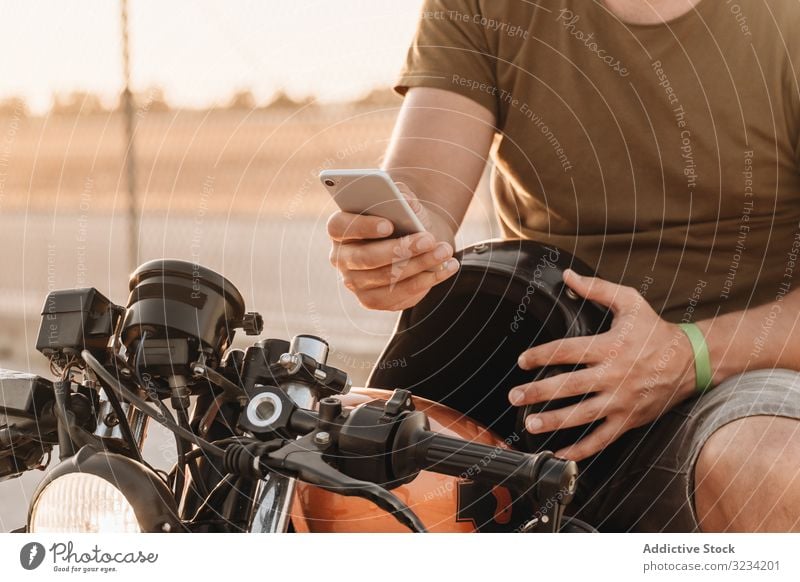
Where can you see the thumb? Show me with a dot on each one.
(606, 293)
(417, 206)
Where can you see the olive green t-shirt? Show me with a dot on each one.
(665, 156)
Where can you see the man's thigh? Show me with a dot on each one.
(645, 481)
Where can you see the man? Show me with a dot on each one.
(659, 142)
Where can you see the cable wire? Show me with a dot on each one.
(116, 384)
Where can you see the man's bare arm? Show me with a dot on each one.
(439, 149)
(437, 154)
(762, 337)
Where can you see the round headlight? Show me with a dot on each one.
(95, 491)
(82, 503)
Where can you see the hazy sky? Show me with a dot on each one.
(201, 51)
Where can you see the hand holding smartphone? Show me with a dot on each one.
(386, 267)
(374, 193)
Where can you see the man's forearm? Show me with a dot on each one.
(438, 150)
(762, 337)
(443, 224)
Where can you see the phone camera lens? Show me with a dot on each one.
(329, 183)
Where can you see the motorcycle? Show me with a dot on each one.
(268, 439)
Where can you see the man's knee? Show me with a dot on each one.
(744, 471)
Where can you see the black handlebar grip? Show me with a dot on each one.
(540, 474)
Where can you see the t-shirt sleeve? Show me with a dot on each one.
(792, 88)
(450, 51)
(791, 75)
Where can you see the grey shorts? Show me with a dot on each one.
(645, 480)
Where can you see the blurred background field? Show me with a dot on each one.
(224, 175)
(234, 189)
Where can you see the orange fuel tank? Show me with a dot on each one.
(443, 503)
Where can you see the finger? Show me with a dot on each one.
(344, 226)
(616, 297)
(558, 386)
(417, 286)
(362, 280)
(376, 254)
(576, 415)
(576, 350)
(594, 442)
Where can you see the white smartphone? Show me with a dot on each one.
(372, 192)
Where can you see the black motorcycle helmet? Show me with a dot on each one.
(460, 344)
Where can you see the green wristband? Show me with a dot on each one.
(702, 360)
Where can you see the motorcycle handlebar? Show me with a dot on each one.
(541, 474)
(364, 437)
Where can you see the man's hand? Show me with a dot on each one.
(439, 147)
(390, 274)
(638, 370)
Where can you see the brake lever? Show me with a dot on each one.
(546, 520)
(304, 459)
